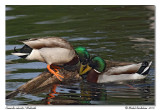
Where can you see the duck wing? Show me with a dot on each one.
(117, 68)
(126, 69)
(115, 64)
(38, 43)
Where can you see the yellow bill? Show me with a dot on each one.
(84, 69)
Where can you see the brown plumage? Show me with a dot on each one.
(51, 50)
(37, 43)
(113, 64)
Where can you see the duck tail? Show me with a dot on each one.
(145, 67)
(23, 52)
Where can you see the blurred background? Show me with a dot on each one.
(117, 33)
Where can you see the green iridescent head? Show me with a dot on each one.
(96, 63)
(84, 57)
(83, 54)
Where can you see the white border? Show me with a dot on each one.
(2, 55)
(76, 2)
(80, 2)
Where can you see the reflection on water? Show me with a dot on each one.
(14, 17)
(52, 94)
(119, 33)
(101, 94)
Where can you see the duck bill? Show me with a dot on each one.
(84, 69)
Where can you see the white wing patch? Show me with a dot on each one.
(20, 54)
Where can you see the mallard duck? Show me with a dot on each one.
(101, 71)
(54, 51)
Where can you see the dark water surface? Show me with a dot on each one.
(118, 33)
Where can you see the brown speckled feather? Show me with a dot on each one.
(111, 65)
(37, 43)
(114, 64)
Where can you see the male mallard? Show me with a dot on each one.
(54, 51)
(100, 71)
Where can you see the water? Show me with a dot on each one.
(118, 33)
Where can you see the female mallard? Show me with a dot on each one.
(54, 51)
(100, 71)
